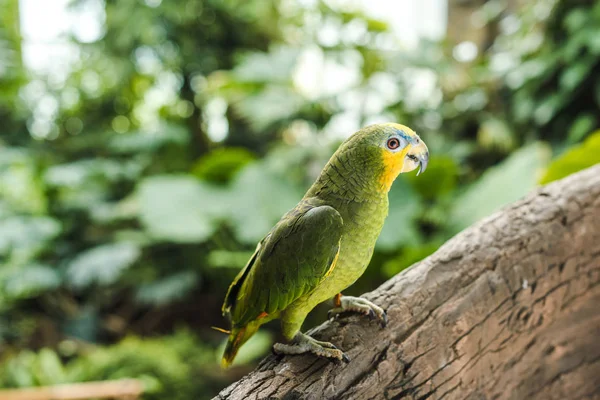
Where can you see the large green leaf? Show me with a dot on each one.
(400, 226)
(79, 173)
(22, 238)
(275, 66)
(180, 208)
(30, 280)
(221, 165)
(135, 142)
(272, 104)
(258, 198)
(87, 183)
(184, 209)
(408, 256)
(439, 180)
(581, 127)
(575, 159)
(500, 185)
(102, 264)
(167, 290)
(20, 186)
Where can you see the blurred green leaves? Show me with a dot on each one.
(259, 197)
(165, 291)
(400, 227)
(221, 165)
(407, 257)
(185, 209)
(135, 142)
(555, 80)
(439, 181)
(575, 159)
(185, 131)
(29, 369)
(23, 238)
(28, 281)
(508, 181)
(21, 189)
(164, 365)
(102, 265)
(179, 208)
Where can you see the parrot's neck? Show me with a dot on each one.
(343, 179)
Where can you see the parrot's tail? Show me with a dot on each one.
(237, 338)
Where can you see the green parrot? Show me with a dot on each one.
(324, 244)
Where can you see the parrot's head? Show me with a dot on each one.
(384, 151)
(402, 151)
(369, 161)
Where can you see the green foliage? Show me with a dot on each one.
(158, 363)
(181, 135)
(21, 189)
(259, 197)
(575, 159)
(500, 185)
(167, 290)
(221, 165)
(400, 227)
(101, 265)
(29, 281)
(183, 209)
(441, 178)
(408, 256)
(28, 369)
(179, 208)
(177, 366)
(23, 238)
(555, 79)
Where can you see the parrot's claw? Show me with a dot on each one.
(384, 320)
(345, 359)
(371, 314)
(305, 344)
(362, 306)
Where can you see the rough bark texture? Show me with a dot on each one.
(507, 309)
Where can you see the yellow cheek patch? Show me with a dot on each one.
(392, 166)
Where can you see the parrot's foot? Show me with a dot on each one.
(359, 305)
(305, 344)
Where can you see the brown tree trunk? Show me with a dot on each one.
(507, 309)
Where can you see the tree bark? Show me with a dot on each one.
(507, 309)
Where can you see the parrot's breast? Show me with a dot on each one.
(363, 222)
(362, 225)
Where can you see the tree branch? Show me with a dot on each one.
(507, 309)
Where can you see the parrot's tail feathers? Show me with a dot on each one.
(237, 338)
(216, 328)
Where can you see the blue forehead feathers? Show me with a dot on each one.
(410, 139)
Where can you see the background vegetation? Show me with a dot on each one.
(134, 187)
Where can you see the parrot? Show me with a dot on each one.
(324, 244)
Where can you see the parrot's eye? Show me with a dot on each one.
(393, 143)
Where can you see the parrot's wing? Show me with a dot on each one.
(298, 253)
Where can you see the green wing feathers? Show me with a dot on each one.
(298, 253)
(289, 262)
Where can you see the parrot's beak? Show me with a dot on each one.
(415, 156)
(423, 161)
